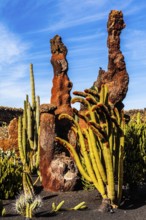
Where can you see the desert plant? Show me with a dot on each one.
(135, 152)
(86, 185)
(29, 150)
(27, 205)
(101, 142)
(2, 209)
(56, 208)
(11, 174)
(28, 130)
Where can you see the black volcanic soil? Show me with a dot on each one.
(132, 208)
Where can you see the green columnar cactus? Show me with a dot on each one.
(29, 149)
(28, 185)
(28, 130)
(101, 144)
(32, 83)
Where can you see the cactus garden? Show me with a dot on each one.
(62, 162)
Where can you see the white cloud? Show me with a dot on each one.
(71, 14)
(11, 48)
(78, 8)
(71, 22)
(12, 68)
(13, 85)
(87, 37)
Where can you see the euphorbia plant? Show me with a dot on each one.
(100, 142)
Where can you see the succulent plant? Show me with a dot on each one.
(27, 205)
(135, 152)
(2, 209)
(11, 174)
(100, 143)
(28, 130)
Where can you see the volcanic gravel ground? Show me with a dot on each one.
(132, 207)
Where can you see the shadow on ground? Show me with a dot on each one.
(133, 207)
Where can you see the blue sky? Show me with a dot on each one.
(26, 28)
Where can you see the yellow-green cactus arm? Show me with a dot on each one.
(75, 156)
(104, 94)
(103, 108)
(27, 185)
(81, 100)
(92, 92)
(98, 182)
(70, 118)
(108, 162)
(78, 93)
(120, 174)
(98, 130)
(97, 156)
(91, 99)
(110, 172)
(20, 144)
(85, 154)
(120, 165)
(80, 115)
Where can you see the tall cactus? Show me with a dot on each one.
(101, 143)
(28, 129)
(32, 84)
(28, 132)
